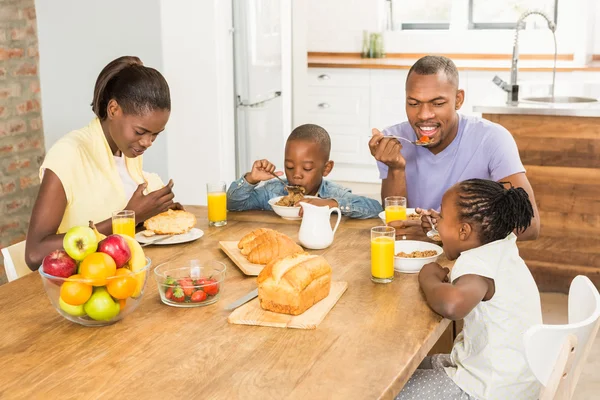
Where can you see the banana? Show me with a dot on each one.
(136, 263)
(99, 236)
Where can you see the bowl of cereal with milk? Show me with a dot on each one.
(412, 255)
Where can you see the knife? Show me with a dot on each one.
(156, 241)
(242, 300)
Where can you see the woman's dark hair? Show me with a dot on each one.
(493, 208)
(137, 89)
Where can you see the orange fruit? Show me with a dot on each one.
(122, 304)
(122, 285)
(75, 293)
(97, 267)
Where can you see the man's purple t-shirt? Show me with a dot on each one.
(481, 149)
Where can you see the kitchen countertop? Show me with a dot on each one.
(394, 61)
(560, 110)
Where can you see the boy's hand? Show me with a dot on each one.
(319, 203)
(262, 170)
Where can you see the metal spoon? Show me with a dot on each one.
(433, 232)
(416, 143)
(293, 188)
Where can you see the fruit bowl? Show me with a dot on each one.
(96, 303)
(191, 285)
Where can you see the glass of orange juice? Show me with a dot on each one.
(123, 222)
(395, 209)
(217, 204)
(382, 254)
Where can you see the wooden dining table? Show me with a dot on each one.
(367, 346)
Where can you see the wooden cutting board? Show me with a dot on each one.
(251, 313)
(230, 248)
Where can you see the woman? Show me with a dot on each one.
(92, 172)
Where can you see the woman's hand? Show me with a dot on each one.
(262, 170)
(147, 206)
(425, 221)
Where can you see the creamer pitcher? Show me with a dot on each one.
(315, 230)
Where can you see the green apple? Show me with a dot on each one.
(76, 311)
(101, 305)
(79, 242)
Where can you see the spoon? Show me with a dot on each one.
(293, 188)
(433, 234)
(416, 143)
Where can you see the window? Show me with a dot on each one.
(503, 14)
(415, 14)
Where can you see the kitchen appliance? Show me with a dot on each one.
(262, 58)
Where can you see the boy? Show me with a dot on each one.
(306, 163)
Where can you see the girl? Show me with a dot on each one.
(490, 287)
(93, 171)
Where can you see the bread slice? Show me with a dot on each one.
(293, 284)
(171, 222)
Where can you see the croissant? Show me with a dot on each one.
(273, 247)
(265, 237)
(251, 236)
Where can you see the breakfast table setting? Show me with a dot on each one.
(362, 339)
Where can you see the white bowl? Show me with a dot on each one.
(408, 212)
(291, 213)
(413, 265)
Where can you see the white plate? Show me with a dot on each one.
(190, 236)
(408, 212)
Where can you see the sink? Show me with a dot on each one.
(559, 99)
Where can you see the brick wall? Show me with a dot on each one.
(21, 135)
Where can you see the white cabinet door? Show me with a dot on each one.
(388, 92)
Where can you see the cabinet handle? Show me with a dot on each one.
(323, 77)
(323, 105)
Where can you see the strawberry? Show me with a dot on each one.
(187, 285)
(169, 293)
(198, 296)
(211, 287)
(178, 295)
(170, 281)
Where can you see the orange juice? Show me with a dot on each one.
(382, 257)
(217, 207)
(124, 226)
(395, 213)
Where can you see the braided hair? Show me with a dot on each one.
(493, 208)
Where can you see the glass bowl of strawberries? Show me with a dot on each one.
(192, 285)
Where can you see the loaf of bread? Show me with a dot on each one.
(293, 284)
(264, 245)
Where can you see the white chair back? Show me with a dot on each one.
(14, 261)
(557, 353)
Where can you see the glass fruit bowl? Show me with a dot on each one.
(190, 284)
(93, 303)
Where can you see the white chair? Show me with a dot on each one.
(557, 353)
(14, 261)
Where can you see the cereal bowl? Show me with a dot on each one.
(412, 264)
(291, 213)
(190, 284)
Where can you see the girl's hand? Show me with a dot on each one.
(425, 221)
(262, 170)
(147, 206)
(433, 271)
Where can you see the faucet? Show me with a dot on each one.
(512, 88)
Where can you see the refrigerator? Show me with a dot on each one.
(263, 80)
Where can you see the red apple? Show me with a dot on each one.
(116, 247)
(58, 263)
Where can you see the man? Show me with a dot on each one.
(459, 147)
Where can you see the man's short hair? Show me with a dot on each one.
(431, 65)
(315, 134)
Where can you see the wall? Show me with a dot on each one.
(337, 25)
(198, 64)
(21, 134)
(77, 39)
